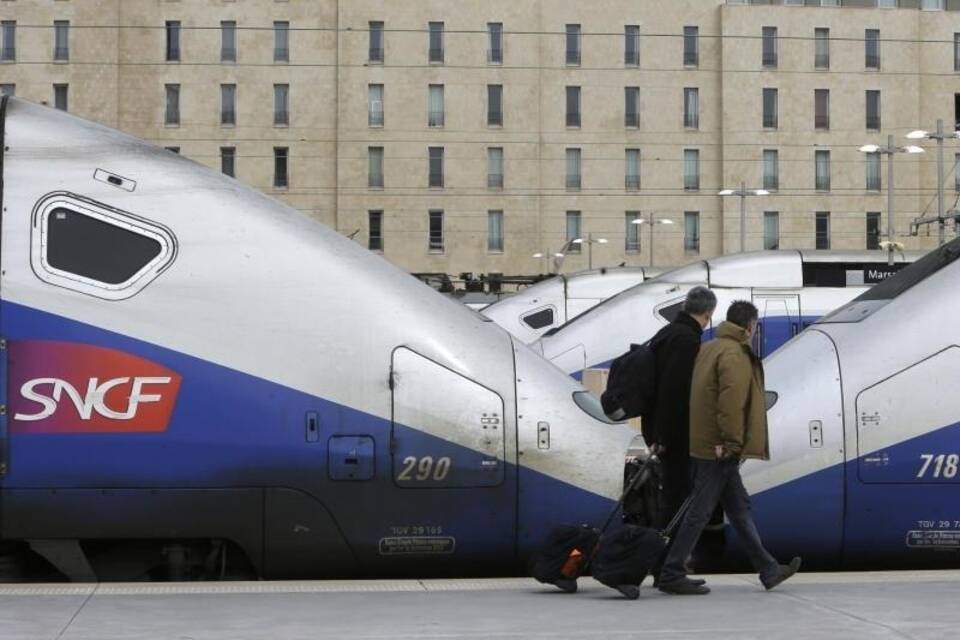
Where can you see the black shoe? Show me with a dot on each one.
(784, 572)
(684, 587)
(567, 585)
(696, 581)
(629, 591)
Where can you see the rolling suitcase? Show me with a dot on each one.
(621, 557)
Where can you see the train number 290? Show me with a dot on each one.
(424, 469)
(939, 466)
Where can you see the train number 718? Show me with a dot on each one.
(939, 465)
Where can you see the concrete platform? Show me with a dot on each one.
(898, 605)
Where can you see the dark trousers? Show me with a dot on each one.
(717, 481)
(676, 487)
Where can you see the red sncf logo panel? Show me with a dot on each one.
(66, 387)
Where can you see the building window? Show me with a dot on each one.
(436, 42)
(631, 45)
(932, 5)
(769, 54)
(573, 232)
(691, 232)
(436, 167)
(573, 169)
(821, 109)
(436, 232)
(281, 105)
(873, 230)
(956, 51)
(956, 111)
(228, 41)
(173, 40)
(228, 105)
(887, 4)
(631, 108)
(871, 42)
(494, 105)
(822, 170)
(375, 167)
(281, 42)
(771, 169)
(171, 114)
(573, 106)
(956, 172)
(375, 52)
(632, 177)
(691, 108)
(873, 171)
(375, 105)
(495, 167)
(435, 107)
(873, 110)
(495, 231)
(8, 90)
(494, 43)
(691, 46)
(61, 40)
(8, 52)
(280, 177)
(771, 230)
(632, 232)
(691, 169)
(375, 233)
(228, 161)
(821, 56)
(822, 231)
(60, 97)
(573, 44)
(769, 108)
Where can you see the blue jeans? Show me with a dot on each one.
(717, 481)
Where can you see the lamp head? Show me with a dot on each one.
(869, 148)
(919, 134)
(725, 192)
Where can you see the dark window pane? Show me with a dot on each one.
(94, 249)
(173, 41)
(376, 42)
(539, 319)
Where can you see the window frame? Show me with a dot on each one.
(121, 291)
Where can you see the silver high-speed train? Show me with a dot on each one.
(865, 427)
(201, 381)
(791, 289)
(533, 311)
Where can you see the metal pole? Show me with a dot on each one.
(743, 216)
(890, 151)
(590, 250)
(940, 221)
(651, 238)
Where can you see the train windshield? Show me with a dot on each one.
(879, 295)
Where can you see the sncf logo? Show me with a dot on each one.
(65, 387)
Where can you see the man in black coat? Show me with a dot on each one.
(675, 350)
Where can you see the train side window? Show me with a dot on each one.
(540, 318)
(670, 312)
(94, 249)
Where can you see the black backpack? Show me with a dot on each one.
(632, 385)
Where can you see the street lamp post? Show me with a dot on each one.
(589, 241)
(743, 192)
(558, 256)
(889, 151)
(653, 221)
(939, 136)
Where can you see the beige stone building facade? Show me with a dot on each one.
(471, 136)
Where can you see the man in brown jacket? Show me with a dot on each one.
(728, 422)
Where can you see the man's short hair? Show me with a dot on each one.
(700, 300)
(741, 313)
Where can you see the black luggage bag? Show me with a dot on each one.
(621, 557)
